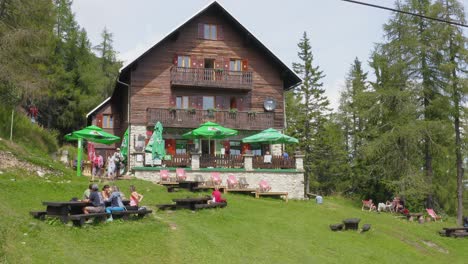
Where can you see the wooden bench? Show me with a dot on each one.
(412, 216)
(38, 214)
(201, 188)
(241, 190)
(125, 214)
(172, 206)
(79, 219)
(284, 194)
(211, 205)
(460, 231)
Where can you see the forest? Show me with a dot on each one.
(400, 129)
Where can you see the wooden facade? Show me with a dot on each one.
(231, 70)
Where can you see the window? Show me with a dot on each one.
(235, 65)
(210, 32)
(183, 61)
(107, 121)
(181, 146)
(182, 102)
(208, 102)
(235, 147)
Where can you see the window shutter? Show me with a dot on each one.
(245, 65)
(226, 64)
(220, 35)
(199, 102)
(173, 101)
(200, 30)
(219, 102)
(240, 103)
(99, 120)
(193, 62)
(175, 60)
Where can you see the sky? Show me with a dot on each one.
(339, 31)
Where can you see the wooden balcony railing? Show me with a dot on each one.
(191, 118)
(211, 78)
(221, 161)
(277, 162)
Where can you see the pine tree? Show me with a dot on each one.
(312, 104)
(453, 53)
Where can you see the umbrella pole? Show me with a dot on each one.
(78, 157)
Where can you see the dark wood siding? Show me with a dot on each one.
(150, 79)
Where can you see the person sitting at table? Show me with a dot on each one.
(106, 192)
(135, 197)
(87, 192)
(116, 203)
(216, 194)
(95, 198)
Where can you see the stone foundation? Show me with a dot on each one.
(291, 182)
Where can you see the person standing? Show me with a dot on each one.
(117, 160)
(110, 167)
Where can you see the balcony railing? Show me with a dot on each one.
(191, 118)
(211, 78)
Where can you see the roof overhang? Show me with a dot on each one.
(97, 107)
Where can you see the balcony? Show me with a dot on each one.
(191, 118)
(202, 77)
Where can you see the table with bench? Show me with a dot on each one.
(73, 210)
(192, 203)
(455, 231)
(280, 194)
(351, 223)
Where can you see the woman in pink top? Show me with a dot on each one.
(217, 196)
(135, 198)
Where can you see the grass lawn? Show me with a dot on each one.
(247, 231)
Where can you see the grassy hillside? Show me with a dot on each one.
(247, 231)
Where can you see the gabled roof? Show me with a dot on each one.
(97, 107)
(289, 77)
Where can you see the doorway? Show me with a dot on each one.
(208, 146)
(209, 64)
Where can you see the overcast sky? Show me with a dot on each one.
(339, 31)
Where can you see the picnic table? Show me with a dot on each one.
(351, 223)
(190, 185)
(62, 210)
(456, 231)
(190, 202)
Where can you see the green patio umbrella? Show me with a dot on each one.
(92, 134)
(124, 147)
(210, 130)
(156, 144)
(271, 136)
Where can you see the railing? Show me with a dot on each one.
(211, 78)
(191, 118)
(221, 161)
(179, 160)
(277, 162)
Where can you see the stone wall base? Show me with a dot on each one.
(291, 182)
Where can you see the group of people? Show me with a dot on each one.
(112, 196)
(397, 205)
(114, 164)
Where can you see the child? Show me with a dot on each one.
(135, 198)
(217, 196)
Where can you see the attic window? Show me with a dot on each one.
(210, 31)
